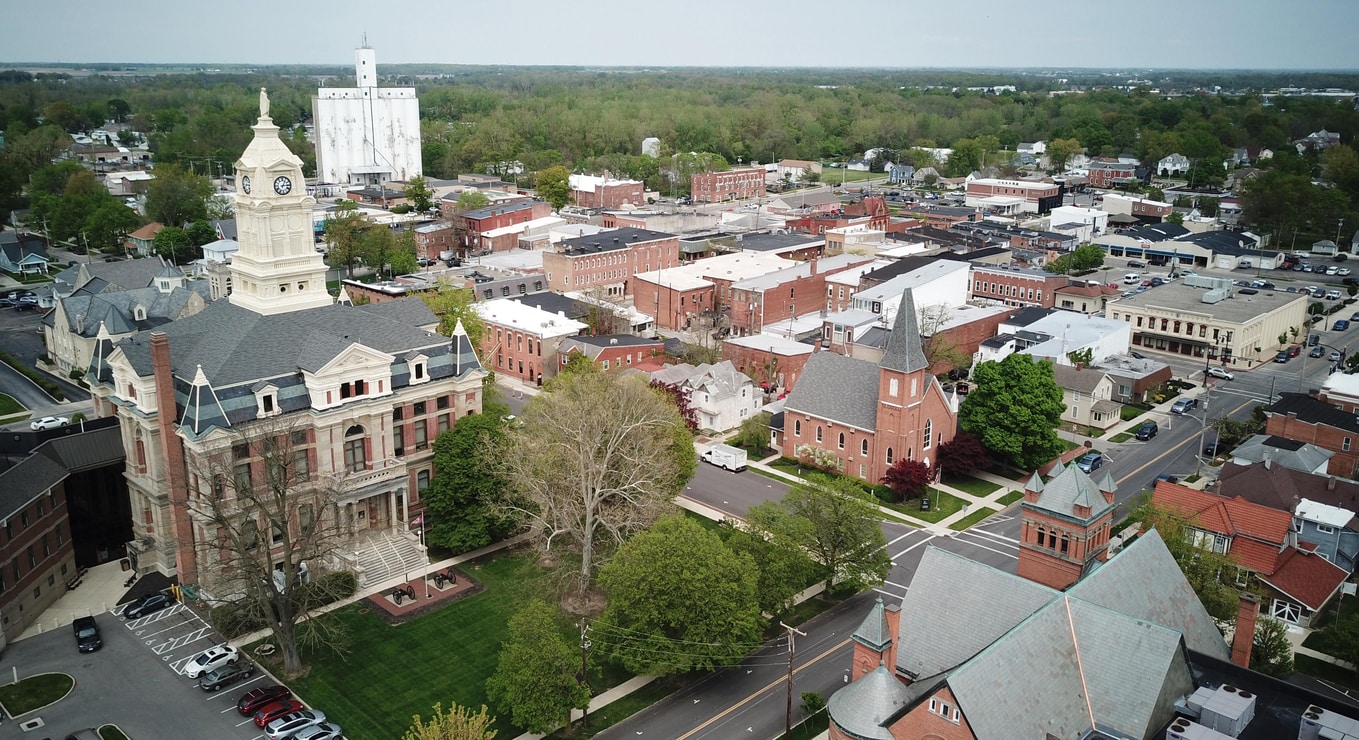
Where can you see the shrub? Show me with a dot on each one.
(812, 702)
(51, 388)
(235, 620)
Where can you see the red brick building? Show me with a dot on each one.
(772, 362)
(609, 260)
(612, 352)
(717, 187)
(1034, 197)
(521, 341)
(794, 291)
(1105, 173)
(1015, 287)
(826, 423)
(875, 208)
(1065, 525)
(676, 295)
(473, 224)
(1329, 423)
(433, 239)
(605, 192)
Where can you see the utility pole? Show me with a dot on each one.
(584, 670)
(788, 715)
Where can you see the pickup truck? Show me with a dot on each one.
(87, 634)
(726, 457)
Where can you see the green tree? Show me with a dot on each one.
(119, 109)
(1271, 652)
(908, 478)
(753, 434)
(832, 520)
(106, 229)
(598, 458)
(1087, 257)
(177, 196)
(419, 194)
(174, 244)
(1060, 152)
(457, 723)
(344, 230)
(460, 502)
(453, 305)
(679, 600)
(1175, 217)
(471, 200)
(201, 232)
(1210, 573)
(1014, 409)
(783, 571)
(554, 186)
(536, 681)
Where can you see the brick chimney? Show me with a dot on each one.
(893, 612)
(1247, 612)
(172, 448)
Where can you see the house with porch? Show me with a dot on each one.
(22, 254)
(1088, 395)
(721, 396)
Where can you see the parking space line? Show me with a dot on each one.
(181, 640)
(218, 694)
(994, 536)
(912, 547)
(998, 552)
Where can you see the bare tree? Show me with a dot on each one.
(271, 525)
(939, 350)
(595, 460)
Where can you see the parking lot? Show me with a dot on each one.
(133, 681)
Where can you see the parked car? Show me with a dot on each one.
(48, 422)
(1332, 270)
(222, 676)
(87, 635)
(1317, 351)
(254, 699)
(1184, 405)
(1132, 278)
(270, 712)
(1283, 356)
(1218, 372)
(214, 657)
(1333, 295)
(1168, 478)
(1135, 265)
(1343, 271)
(148, 604)
(1211, 449)
(1090, 462)
(1156, 281)
(322, 731)
(288, 724)
(1147, 430)
(1334, 356)
(1295, 350)
(1354, 316)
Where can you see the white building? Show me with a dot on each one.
(1056, 335)
(651, 146)
(721, 396)
(1172, 164)
(367, 134)
(1084, 223)
(938, 288)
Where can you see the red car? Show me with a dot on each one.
(255, 699)
(270, 712)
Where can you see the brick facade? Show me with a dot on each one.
(752, 308)
(431, 241)
(933, 718)
(611, 194)
(609, 260)
(36, 560)
(1015, 287)
(766, 365)
(474, 223)
(1340, 441)
(1055, 548)
(717, 187)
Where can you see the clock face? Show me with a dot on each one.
(282, 185)
(245, 184)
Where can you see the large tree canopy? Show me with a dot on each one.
(1014, 408)
(832, 520)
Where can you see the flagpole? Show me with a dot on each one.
(424, 547)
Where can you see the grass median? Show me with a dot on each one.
(35, 692)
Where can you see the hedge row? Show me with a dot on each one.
(232, 621)
(52, 388)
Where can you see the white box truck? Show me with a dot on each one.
(726, 457)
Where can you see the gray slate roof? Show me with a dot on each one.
(837, 388)
(1070, 379)
(1304, 457)
(874, 631)
(864, 706)
(55, 459)
(84, 309)
(1070, 488)
(905, 351)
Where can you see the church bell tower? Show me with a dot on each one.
(277, 269)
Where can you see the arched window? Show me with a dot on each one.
(929, 430)
(889, 456)
(842, 440)
(818, 432)
(797, 427)
(355, 449)
(863, 447)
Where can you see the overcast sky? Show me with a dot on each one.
(1255, 34)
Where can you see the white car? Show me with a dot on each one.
(1218, 372)
(49, 422)
(290, 724)
(1343, 271)
(213, 657)
(323, 731)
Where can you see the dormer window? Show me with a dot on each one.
(139, 313)
(418, 369)
(266, 401)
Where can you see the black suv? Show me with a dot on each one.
(87, 634)
(1147, 431)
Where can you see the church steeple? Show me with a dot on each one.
(277, 268)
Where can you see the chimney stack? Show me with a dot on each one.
(1330, 483)
(1247, 612)
(172, 447)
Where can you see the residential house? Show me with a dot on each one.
(736, 184)
(612, 352)
(1329, 423)
(925, 176)
(1088, 396)
(1173, 165)
(1260, 539)
(900, 174)
(140, 241)
(862, 417)
(796, 169)
(610, 261)
(1084, 297)
(1135, 380)
(126, 184)
(523, 339)
(220, 250)
(1322, 506)
(804, 204)
(721, 396)
(22, 254)
(1103, 173)
(1282, 452)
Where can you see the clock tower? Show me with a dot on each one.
(277, 268)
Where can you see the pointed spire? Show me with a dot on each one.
(1034, 483)
(464, 354)
(98, 369)
(343, 298)
(875, 632)
(905, 351)
(1107, 484)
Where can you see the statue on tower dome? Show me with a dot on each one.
(264, 103)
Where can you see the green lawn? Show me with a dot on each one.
(1130, 412)
(392, 673)
(968, 484)
(1121, 437)
(9, 406)
(943, 505)
(811, 727)
(1010, 498)
(974, 518)
(834, 175)
(34, 692)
